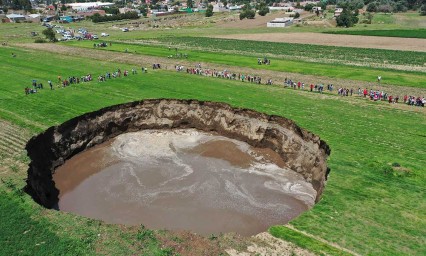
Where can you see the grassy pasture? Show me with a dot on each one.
(395, 77)
(407, 33)
(368, 206)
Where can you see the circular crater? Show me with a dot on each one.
(179, 165)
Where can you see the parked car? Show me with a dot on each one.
(104, 34)
(95, 37)
(125, 29)
(67, 37)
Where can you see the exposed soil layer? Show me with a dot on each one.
(300, 150)
(182, 180)
(376, 42)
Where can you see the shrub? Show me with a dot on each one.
(40, 40)
(209, 11)
(247, 12)
(50, 34)
(372, 7)
(308, 7)
(263, 11)
(122, 16)
(423, 10)
(346, 19)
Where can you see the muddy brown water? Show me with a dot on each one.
(183, 180)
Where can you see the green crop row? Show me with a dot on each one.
(406, 33)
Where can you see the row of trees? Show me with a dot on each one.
(121, 16)
(393, 6)
(16, 5)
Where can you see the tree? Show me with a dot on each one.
(247, 12)
(209, 11)
(189, 4)
(50, 34)
(346, 19)
(143, 10)
(372, 7)
(225, 3)
(308, 7)
(423, 10)
(263, 8)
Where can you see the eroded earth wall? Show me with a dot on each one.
(302, 151)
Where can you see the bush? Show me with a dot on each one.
(297, 15)
(209, 11)
(372, 7)
(40, 41)
(346, 19)
(50, 34)
(423, 10)
(308, 7)
(249, 14)
(263, 11)
(122, 16)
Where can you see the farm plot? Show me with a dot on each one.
(373, 42)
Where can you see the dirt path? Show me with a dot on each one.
(376, 42)
(277, 77)
(265, 244)
(322, 240)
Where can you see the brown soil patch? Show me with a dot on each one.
(259, 22)
(265, 244)
(376, 42)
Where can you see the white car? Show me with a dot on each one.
(125, 29)
(104, 34)
(67, 37)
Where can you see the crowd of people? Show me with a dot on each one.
(374, 95)
(65, 82)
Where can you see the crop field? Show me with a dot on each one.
(405, 33)
(373, 202)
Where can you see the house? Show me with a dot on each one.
(33, 17)
(316, 8)
(66, 19)
(15, 17)
(280, 23)
(90, 13)
(337, 12)
(88, 6)
(281, 8)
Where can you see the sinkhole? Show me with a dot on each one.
(179, 165)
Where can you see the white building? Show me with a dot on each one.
(15, 17)
(279, 23)
(87, 6)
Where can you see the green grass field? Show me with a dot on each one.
(395, 77)
(368, 207)
(406, 33)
